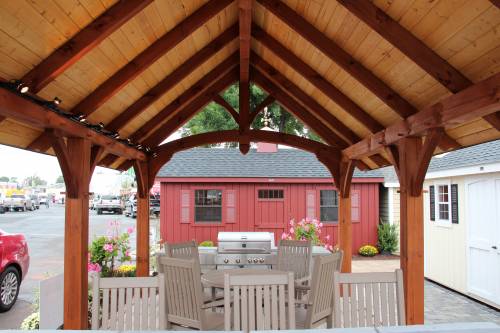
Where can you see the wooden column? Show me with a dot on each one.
(74, 156)
(411, 158)
(142, 247)
(342, 171)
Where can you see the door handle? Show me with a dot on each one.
(494, 247)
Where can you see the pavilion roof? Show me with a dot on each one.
(348, 69)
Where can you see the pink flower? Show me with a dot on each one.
(306, 228)
(91, 267)
(320, 225)
(292, 230)
(108, 247)
(130, 230)
(127, 253)
(284, 235)
(327, 237)
(292, 223)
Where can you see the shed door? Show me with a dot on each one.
(483, 239)
(270, 208)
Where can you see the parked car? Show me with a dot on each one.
(43, 199)
(19, 202)
(2, 205)
(109, 203)
(94, 201)
(14, 263)
(34, 201)
(131, 205)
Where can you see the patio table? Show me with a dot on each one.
(215, 279)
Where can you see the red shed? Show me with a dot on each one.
(207, 190)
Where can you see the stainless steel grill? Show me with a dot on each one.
(244, 249)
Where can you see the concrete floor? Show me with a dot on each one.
(44, 230)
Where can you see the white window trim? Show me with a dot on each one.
(439, 221)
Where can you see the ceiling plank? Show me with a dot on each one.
(339, 56)
(289, 103)
(304, 98)
(264, 104)
(317, 80)
(147, 57)
(407, 43)
(222, 102)
(165, 130)
(195, 90)
(21, 109)
(172, 79)
(81, 43)
(494, 120)
(477, 101)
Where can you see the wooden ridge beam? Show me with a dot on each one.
(305, 99)
(172, 79)
(245, 24)
(195, 90)
(147, 57)
(19, 108)
(479, 100)
(298, 110)
(183, 115)
(317, 80)
(222, 102)
(339, 56)
(265, 103)
(81, 43)
(408, 44)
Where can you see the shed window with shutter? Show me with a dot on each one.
(208, 205)
(444, 203)
(328, 206)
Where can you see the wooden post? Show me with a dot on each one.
(411, 159)
(342, 171)
(142, 248)
(74, 156)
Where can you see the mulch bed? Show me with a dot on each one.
(377, 257)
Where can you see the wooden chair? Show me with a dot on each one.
(262, 301)
(295, 256)
(184, 296)
(369, 299)
(318, 296)
(185, 250)
(129, 303)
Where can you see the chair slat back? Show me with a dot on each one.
(295, 256)
(321, 294)
(369, 299)
(184, 293)
(128, 303)
(185, 250)
(259, 301)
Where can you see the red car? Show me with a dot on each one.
(14, 263)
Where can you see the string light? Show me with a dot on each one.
(57, 101)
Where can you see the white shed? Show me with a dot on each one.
(461, 221)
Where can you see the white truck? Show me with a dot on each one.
(108, 203)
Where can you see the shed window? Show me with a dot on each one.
(208, 205)
(329, 205)
(270, 194)
(443, 200)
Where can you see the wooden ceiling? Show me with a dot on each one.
(347, 68)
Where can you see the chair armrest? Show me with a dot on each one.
(302, 287)
(302, 280)
(213, 304)
(303, 302)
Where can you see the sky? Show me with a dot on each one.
(21, 163)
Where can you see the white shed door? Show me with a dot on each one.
(484, 239)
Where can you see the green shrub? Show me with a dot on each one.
(368, 251)
(32, 322)
(387, 238)
(207, 243)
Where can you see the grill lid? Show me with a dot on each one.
(226, 236)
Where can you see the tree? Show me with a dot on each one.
(34, 181)
(215, 118)
(4, 179)
(60, 179)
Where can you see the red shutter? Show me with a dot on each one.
(185, 205)
(230, 206)
(355, 206)
(311, 204)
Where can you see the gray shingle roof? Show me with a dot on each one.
(485, 153)
(215, 162)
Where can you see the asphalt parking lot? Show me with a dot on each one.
(44, 231)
